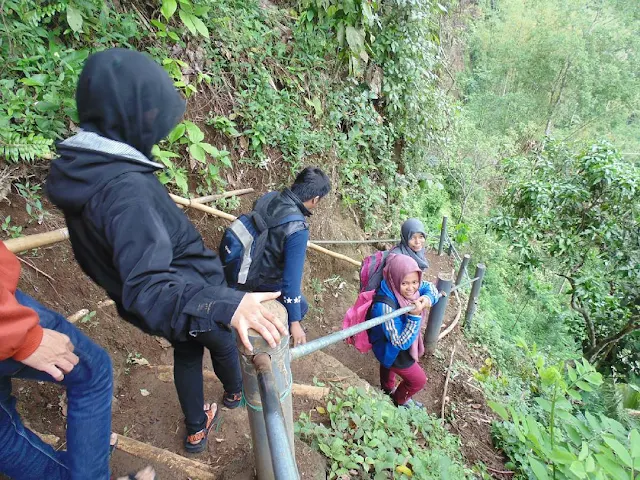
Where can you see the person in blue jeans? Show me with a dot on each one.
(39, 344)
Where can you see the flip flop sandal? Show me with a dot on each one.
(197, 442)
(112, 448)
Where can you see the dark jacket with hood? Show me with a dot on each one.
(126, 232)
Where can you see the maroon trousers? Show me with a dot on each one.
(413, 380)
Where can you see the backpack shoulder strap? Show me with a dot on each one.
(379, 298)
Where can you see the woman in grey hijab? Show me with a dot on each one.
(412, 242)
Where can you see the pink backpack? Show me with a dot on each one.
(370, 279)
(371, 270)
(358, 314)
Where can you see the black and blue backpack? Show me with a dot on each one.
(243, 245)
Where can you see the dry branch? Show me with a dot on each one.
(453, 324)
(29, 264)
(446, 382)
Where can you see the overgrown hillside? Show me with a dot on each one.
(519, 120)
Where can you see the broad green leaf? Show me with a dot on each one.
(574, 394)
(187, 20)
(619, 449)
(572, 373)
(74, 19)
(634, 441)
(562, 455)
(177, 132)
(582, 385)
(594, 378)
(584, 452)
(197, 152)
(355, 39)
(168, 8)
(181, 182)
(499, 409)
(590, 464)
(193, 132)
(539, 469)
(613, 469)
(578, 469)
(201, 27)
(544, 403)
(37, 80)
(593, 422)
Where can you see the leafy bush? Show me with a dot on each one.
(553, 436)
(367, 434)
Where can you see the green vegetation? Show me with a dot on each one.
(517, 119)
(368, 437)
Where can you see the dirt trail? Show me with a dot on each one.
(330, 286)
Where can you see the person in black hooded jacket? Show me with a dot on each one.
(132, 240)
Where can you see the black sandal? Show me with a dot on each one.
(197, 442)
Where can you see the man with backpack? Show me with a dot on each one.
(265, 249)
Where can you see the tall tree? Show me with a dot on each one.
(569, 68)
(578, 215)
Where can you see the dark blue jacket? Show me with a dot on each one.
(285, 251)
(398, 333)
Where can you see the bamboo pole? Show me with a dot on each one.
(165, 374)
(21, 244)
(218, 196)
(354, 242)
(219, 213)
(194, 469)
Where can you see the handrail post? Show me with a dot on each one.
(473, 296)
(463, 268)
(436, 314)
(443, 235)
(274, 379)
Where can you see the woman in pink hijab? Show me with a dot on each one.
(392, 342)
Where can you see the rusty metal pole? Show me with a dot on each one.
(473, 296)
(436, 315)
(463, 268)
(443, 235)
(264, 384)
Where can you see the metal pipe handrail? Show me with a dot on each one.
(284, 465)
(322, 342)
(353, 242)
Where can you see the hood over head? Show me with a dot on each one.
(124, 95)
(126, 103)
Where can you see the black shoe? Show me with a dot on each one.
(232, 400)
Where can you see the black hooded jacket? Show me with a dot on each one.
(126, 232)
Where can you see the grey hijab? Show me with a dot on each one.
(411, 226)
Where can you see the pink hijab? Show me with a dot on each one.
(396, 268)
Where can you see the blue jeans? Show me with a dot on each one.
(89, 392)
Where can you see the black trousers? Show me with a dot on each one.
(188, 377)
